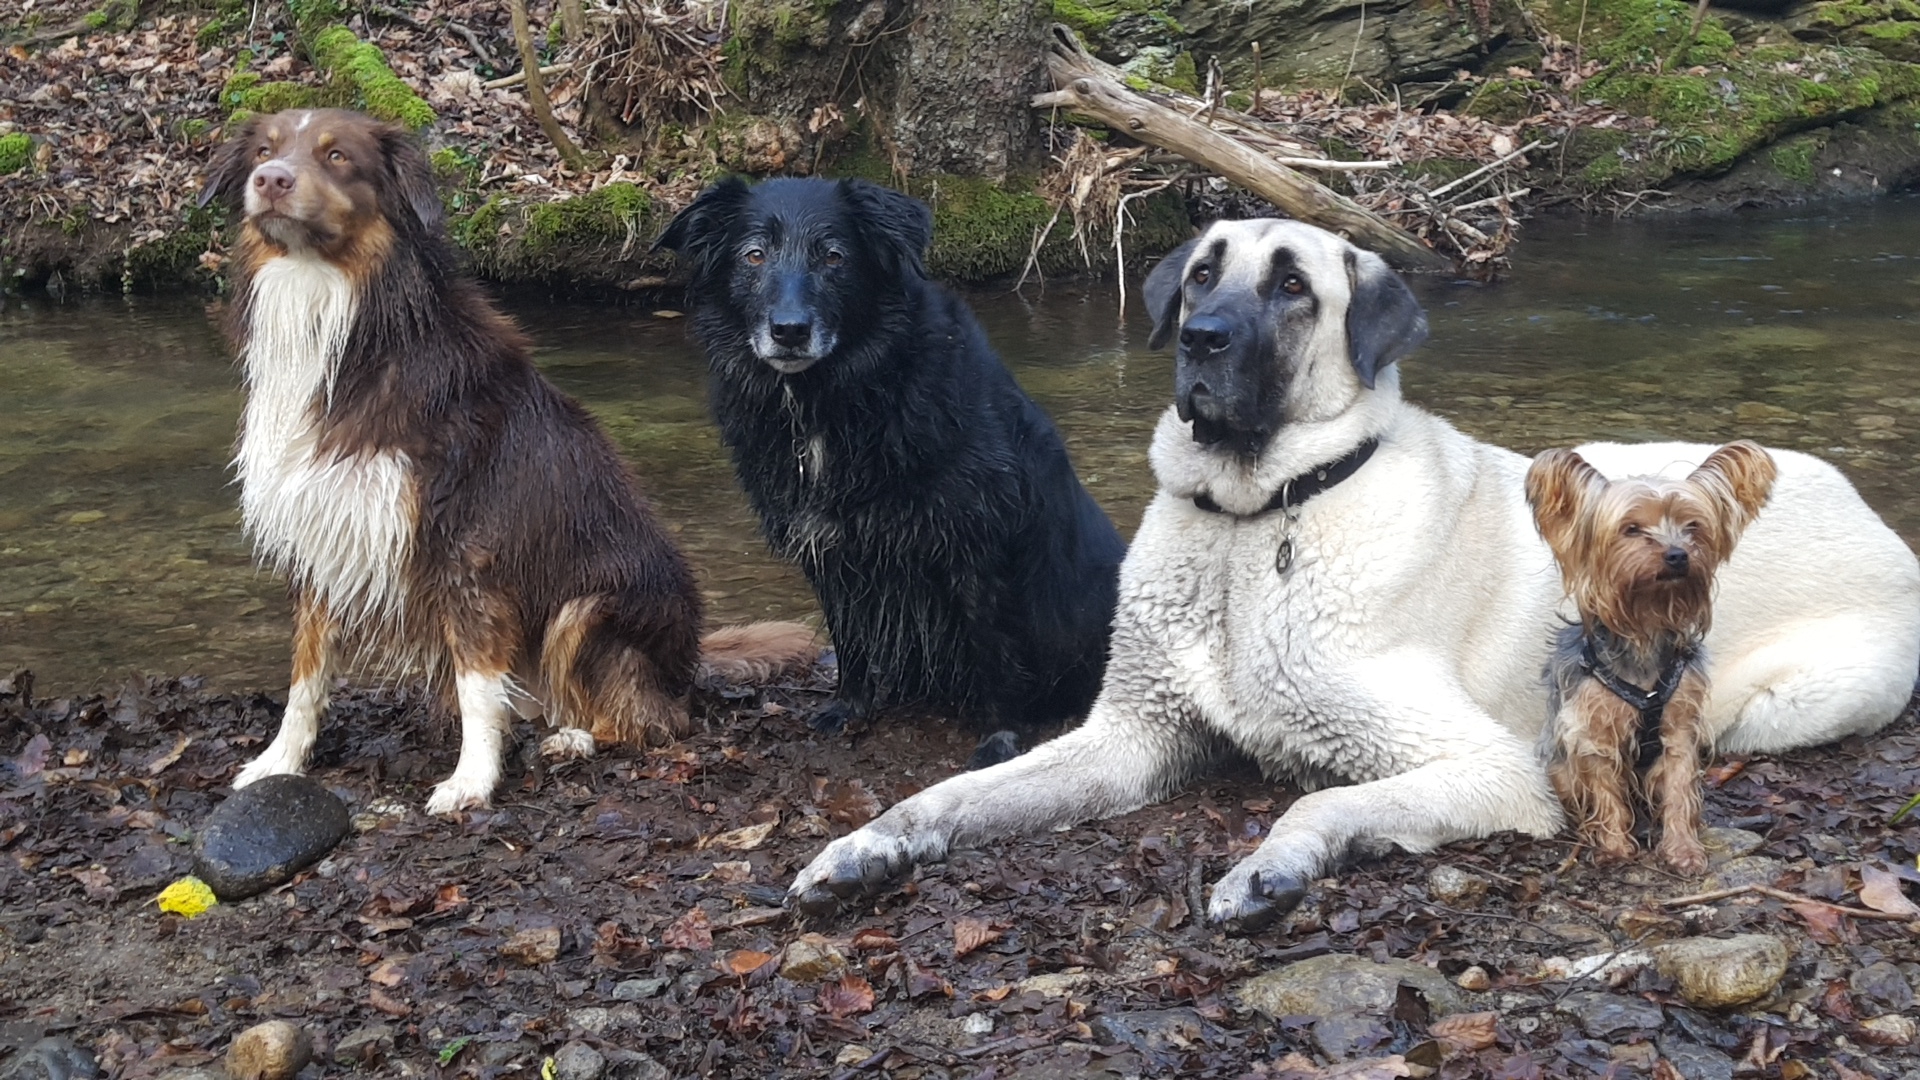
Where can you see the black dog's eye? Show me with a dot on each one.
(1293, 286)
(335, 155)
(834, 258)
(1202, 274)
(755, 256)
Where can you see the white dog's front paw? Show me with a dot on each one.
(568, 744)
(859, 864)
(458, 793)
(1251, 898)
(275, 762)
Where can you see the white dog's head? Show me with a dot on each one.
(1278, 322)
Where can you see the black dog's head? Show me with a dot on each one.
(1278, 322)
(792, 258)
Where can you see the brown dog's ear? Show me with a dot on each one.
(1560, 486)
(412, 184)
(1739, 477)
(231, 165)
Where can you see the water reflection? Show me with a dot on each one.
(120, 548)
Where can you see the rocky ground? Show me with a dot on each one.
(623, 918)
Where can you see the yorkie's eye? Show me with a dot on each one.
(1293, 286)
(1630, 529)
(756, 257)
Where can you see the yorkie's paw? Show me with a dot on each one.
(1685, 855)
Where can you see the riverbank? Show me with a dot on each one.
(623, 915)
(112, 111)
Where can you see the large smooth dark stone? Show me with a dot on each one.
(53, 1058)
(266, 833)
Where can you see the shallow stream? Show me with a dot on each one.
(120, 545)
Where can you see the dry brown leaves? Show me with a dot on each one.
(970, 934)
(850, 996)
(689, 931)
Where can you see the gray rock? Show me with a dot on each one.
(1455, 887)
(367, 1046)
(633, 1065)
(638, 989)
(1601, 1015)
(982, 1024)
(1890, 1030)
(1717, 972)
(1745, 870)
(1343, 984)
(1343, 1037)
(508, 1052)
(1153, 1032)
(266, 833)
(578, 1061)
(275, 1050)
(52, 1058)
(1693, 1061)
(592, 1019)
(1724, 845)
(812, 958)
(1884, 985)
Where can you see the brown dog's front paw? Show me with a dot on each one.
(1684, 854)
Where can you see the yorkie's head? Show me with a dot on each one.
(1638, 555)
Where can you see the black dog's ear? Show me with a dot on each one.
(231, 165)
(1384, 321)
(898, 227)
(412, 175)
(1162, 290)
(697, 233)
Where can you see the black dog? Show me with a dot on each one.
(888, 452)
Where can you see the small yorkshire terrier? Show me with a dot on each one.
(1627, 682)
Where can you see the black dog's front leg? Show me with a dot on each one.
(853, 698)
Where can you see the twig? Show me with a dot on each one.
(519, 77)
(1330, 165)
(1355, 54)
(1436, 193)
(1463, 208)
(1119, 230)
(1039, 241)
(537, 91)
(1787, 897)
(473, 42)
(393, 14)
(1256, 78)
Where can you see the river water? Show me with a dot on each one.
(120, 544)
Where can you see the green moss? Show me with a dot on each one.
(1185, 75)
(357, 65)
(95, 20)
(16, 150)
(245, 92)
(1793, 158)
(1093, 19)
(608, 213)
(1503, 101)
(455, 167)
(1087, 20)
(175, 256)
(312, 17)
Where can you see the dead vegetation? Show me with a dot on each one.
(656, 62)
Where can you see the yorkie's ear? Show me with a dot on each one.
(1559, 486)
(1738, 477)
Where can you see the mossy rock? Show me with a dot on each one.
(1503, 101)
(361, 68)
(582, 238)
(245, 93)
(16, 152)
(1793, 158)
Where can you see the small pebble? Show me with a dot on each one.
(578, 1061)
(977, 1024)
(1474, 978)
(534, 946)
(1455, 887)
(812, 958)
(275, 1050)
(1718, 972)
(852, 1055)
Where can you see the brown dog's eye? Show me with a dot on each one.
(335, 155)
(1293, 286)
(1202, 275)
(264, 151)
(755, 256)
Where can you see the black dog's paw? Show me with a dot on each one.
(1254, 904)
(831, 720)
(994, 749)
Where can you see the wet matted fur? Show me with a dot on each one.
(891, 455)
(1391, 663)
(436, 504)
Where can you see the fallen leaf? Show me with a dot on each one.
(1880, 890)
(161, 763)
(1725, 771)
(732, 873)
(378, 999)
(448, 897)
(743, 839)
(872, 939)
(1837, 1003)
(689, 931)
(744, 961)
(997, 993)
(97, 883)
(535, 946)
(851, 995)
(1824, 924)
(1465, 1032)
(970, 934)
(33, 759)
(388, 974)
(1664, 1070)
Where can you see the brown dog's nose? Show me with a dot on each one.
(273, 179)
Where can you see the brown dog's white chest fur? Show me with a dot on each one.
(339, 524)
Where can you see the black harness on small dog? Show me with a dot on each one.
(1651, 704)
(1295, 492)
(1298, 490)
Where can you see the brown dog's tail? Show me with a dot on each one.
(757, 651)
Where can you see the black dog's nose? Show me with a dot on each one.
(1206, 334)
(791, 335)
(1676, 560)
(273, 179)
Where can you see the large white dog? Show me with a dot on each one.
(1350, 591)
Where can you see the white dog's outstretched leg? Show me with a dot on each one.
(1108, 765)
(1448, 771)
(313, 634)
(486, 716)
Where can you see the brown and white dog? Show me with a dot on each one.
(436, 504)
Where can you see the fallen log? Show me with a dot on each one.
(1125, 111)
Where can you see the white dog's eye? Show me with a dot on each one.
(1201, 274)
(1293, 286)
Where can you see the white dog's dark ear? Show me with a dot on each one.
(1384, 321)
(1162, 291)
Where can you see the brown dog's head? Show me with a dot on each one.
(325, 180)
(1638, 555)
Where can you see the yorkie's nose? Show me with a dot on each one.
(1676, 560)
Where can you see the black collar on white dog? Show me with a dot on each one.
(1298, 490)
